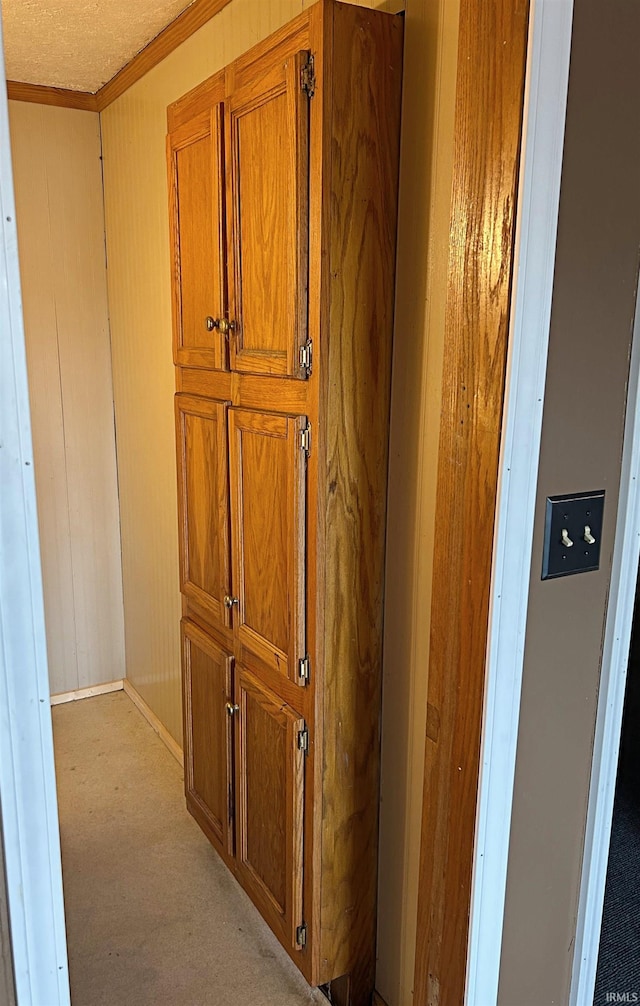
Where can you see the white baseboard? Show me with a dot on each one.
(154, 722)
(87, 693)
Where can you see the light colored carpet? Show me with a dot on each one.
(153, 916)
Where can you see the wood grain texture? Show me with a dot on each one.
(198, 251)
(362, 185)
(40, 94)
(489, 101)
(268, 180)
(270, 795)
(207, 683)
(267, 470)
(180, 29)
(350, 132)
(203, 504)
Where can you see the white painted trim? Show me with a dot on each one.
(613, 677)
(87, 693)
(27, 777)
(537, 218)
(153, 721)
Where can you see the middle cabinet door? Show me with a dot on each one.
(203, 503)
(268, 484)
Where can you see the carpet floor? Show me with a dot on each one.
(618, 971)
(153, 916)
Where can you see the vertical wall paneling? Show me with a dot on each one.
(58, 184)
(133, 133)
(492, 47)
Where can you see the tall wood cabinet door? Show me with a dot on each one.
(270, 786)
(203, 504)
(268, 483)
(268, 176)
(197, 220)
(208, 714)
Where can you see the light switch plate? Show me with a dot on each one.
(570, 522)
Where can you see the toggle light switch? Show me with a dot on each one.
(572, 534)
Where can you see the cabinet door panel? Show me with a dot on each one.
(203, 503)
(207, 688)
(270, 783)
(198, 240)
(269, 179)
(268, 471)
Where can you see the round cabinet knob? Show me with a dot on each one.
(211, 323)
(230, 601)
(226, 326)
(232, 708)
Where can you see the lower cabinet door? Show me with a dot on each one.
(270, 786)
(208, 715)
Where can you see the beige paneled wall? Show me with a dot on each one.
(58, 185)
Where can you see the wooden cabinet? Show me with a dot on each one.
(203, 504)
(270, 742)
(208, 702)
(268, 489)
(268, 143)
(199, 279)
(283, 191)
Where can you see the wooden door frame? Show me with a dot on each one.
(497, 327)
(27, 776)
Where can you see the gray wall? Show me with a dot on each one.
(591, 324)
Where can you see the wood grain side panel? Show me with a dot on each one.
(40, 94)
(365, 125)
(181, 28)
(489, 101)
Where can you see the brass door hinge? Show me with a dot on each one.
(308, 77)
(303, 740)
(301, 935)
(305, 439)
(306, 356)
(304, 669)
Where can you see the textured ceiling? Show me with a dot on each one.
(79, 44)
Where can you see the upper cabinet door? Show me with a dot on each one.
(268, 185)
(197, 220)
(203, 504)
(268, 476)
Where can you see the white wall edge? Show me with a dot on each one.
(613, 677)
(537, 219)
(27, 776)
